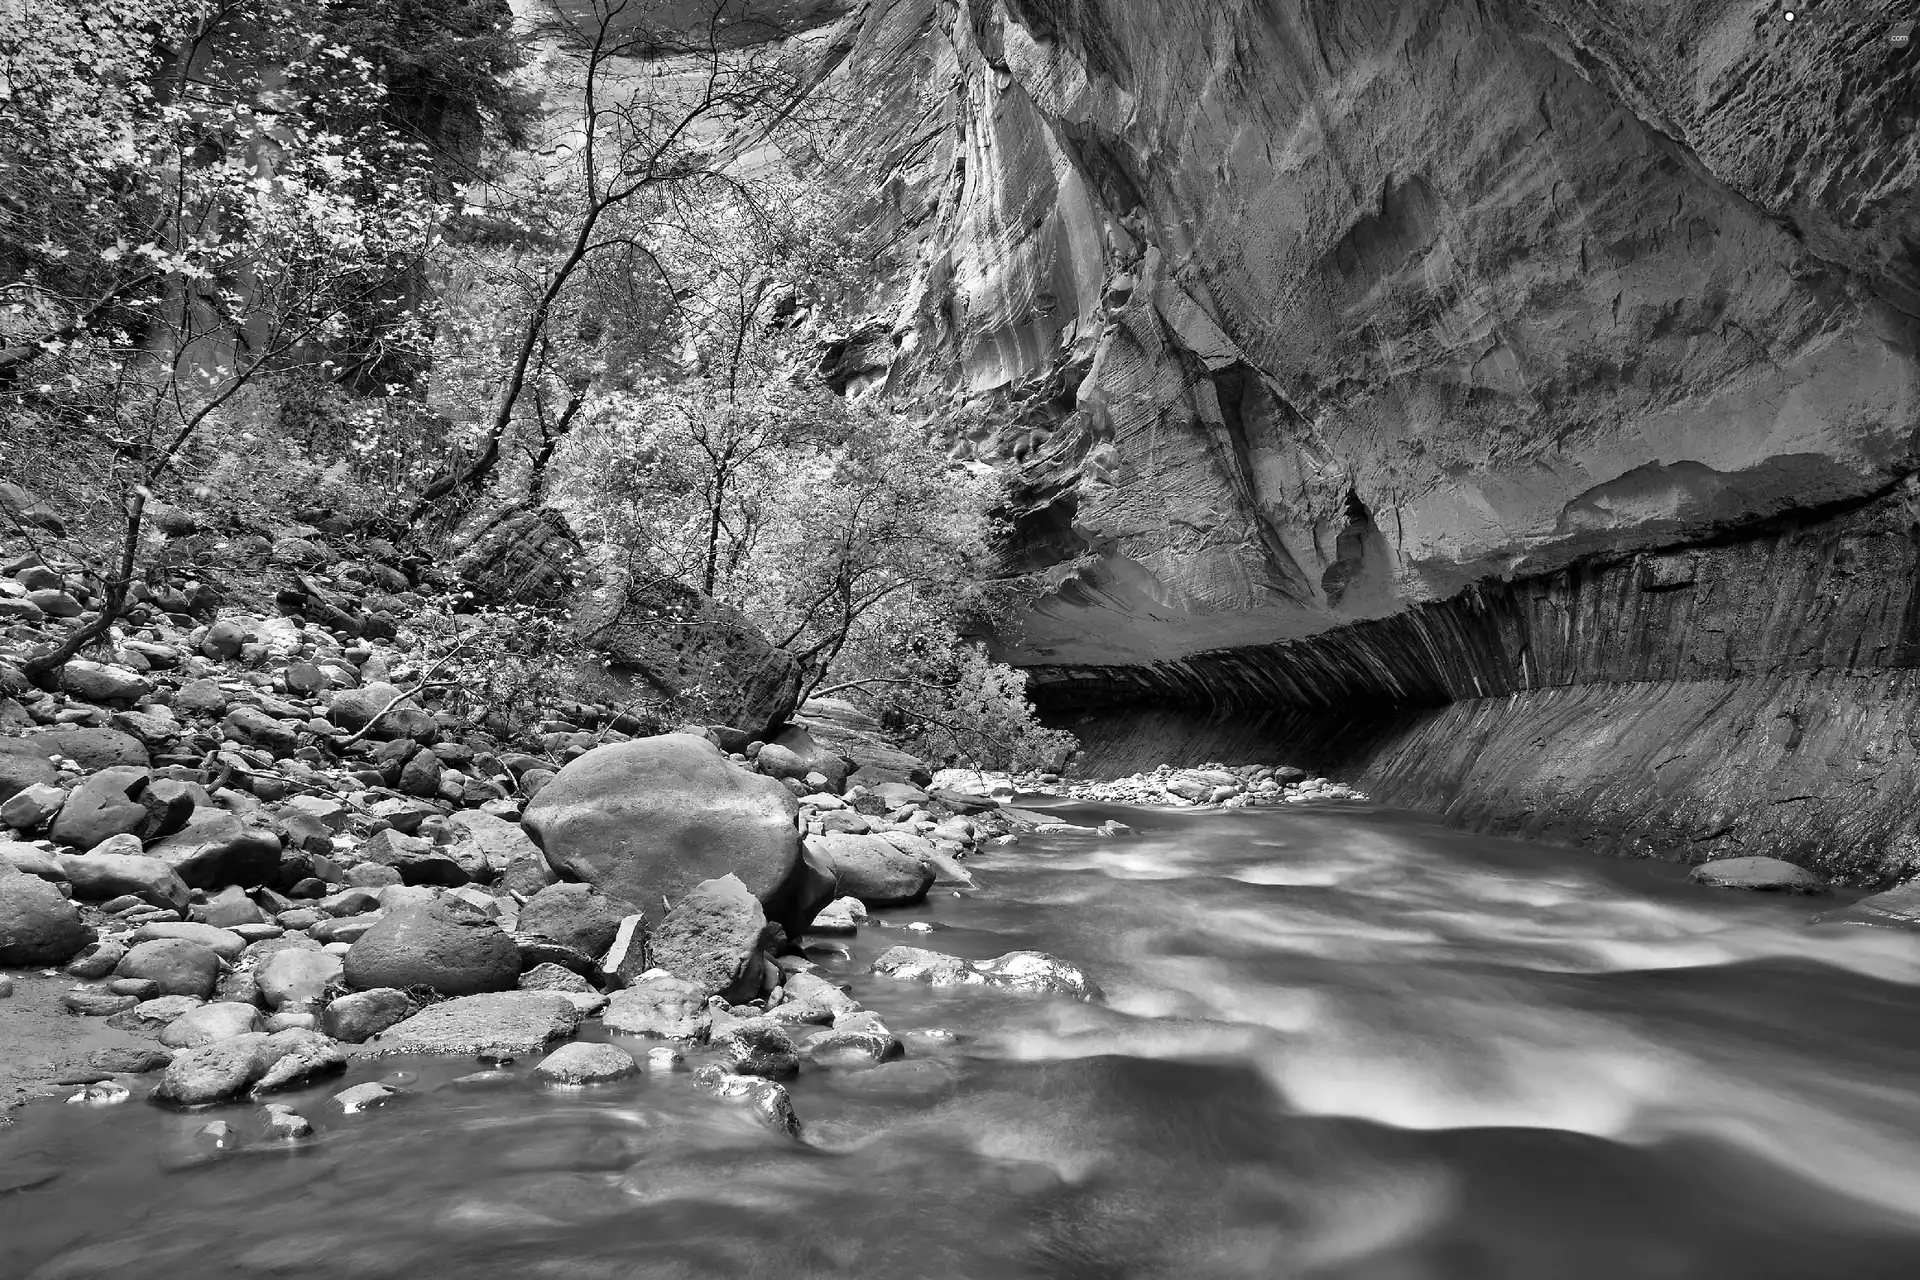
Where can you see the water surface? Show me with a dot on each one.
(1337, 1043)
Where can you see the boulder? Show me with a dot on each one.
(711, 939)
(32, 806)
(759, 1047)
(645, 821)
(292, 978)
(768, 1101)
(660, 1006)
(446, 946)
(553, 977)
(91, 749)
(216, 849)
(1038, 973)
(574, 915)
(251, 724)
(1767, 875)
(31, 859)
(354, 709)
(181, 966)
(934, 968)
(109, 804)
(23, 765)
(873, 869)
(97, 877)
(856, 1040)
(99, 682)
(258, 1061)
(574, 1065)
(1899, 907)
(360, 1015)
(419, 861)
(229, 908)
(816, 758)
(778, 762)
(201, 698)
(37, 925)
(222, 942)
(504, 1022)
(208, 1023)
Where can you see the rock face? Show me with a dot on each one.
(1293, 323)
(646, 821)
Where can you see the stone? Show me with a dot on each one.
(202, 697)
(107, 804)
(768, 1101)
(97, 877)
(250, 724)
(514, 1023)
(354, 709)
(813, 989)
(937, 969)
(24, 764)
(100, 682)
(92, 749)
(216, 849)
(144, 989)
(842, 915)
(227, 909)
(579, 1064)
(372, 875)
(282, 1123)
(420, 861)
(575, 915)
(759, 1047)
(297, 979)
(1038, 973)
(331, 932)
(778, 762)
(38, 926)
(1769, 875)
(31, 807)
(645, 821)
(659, 1006)
(1898, 907)
(208, 1023)
(446, 946)
(711, 938)
(97, 960)
(129, 1059)
(181, 966)
(872, 869)
(421, 774)
(222, 942)
(304, 1055)
(366, 1097)
(98, 1004)
(361, 1015)
(554, 977)
(856, 1040)
(257, 1060)
(626, 958)
(31, 860)
(224, 639)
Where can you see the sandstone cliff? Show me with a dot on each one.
(1294, 317)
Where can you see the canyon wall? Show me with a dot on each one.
(1363, 357)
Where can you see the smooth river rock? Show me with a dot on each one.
(505, 1022)
(446, 945)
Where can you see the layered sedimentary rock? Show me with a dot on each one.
(1360, 325)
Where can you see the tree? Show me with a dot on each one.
(658, 114)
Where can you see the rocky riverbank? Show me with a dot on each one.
(1208, 785)
(242, 851)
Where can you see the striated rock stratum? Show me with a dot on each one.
(1324, 340)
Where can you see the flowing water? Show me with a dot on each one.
(1336, 1043)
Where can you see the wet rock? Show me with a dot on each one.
(659, 1006)
(505, 1022)
(711, 938)
(216, 849)
(768, 1101)
(1031, 971)
(282, 1123)
(97, 877)
(647, 820)
(665, 1060)
(872, 869)
(810, 988)
(856, 1040)
(37, 925)
(181, 966)
(575, 915)
(1768, 875)
(217, 1071)
(446, 946)
(222, 942)
(297, 979)
(208, 1023)
(361, 1015)
(842, 915)
(573, 1065)
(759, 1047)
(301, 1056)
(1898, 907)
(366, 1097)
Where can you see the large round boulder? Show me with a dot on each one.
(645, 821)
(446, 945)
(37, 925)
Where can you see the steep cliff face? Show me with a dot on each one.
(1307, 324)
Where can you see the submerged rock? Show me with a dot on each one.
(1768, 875)
(582, 1064)
(1030, 971)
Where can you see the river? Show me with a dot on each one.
(1337, 1042)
